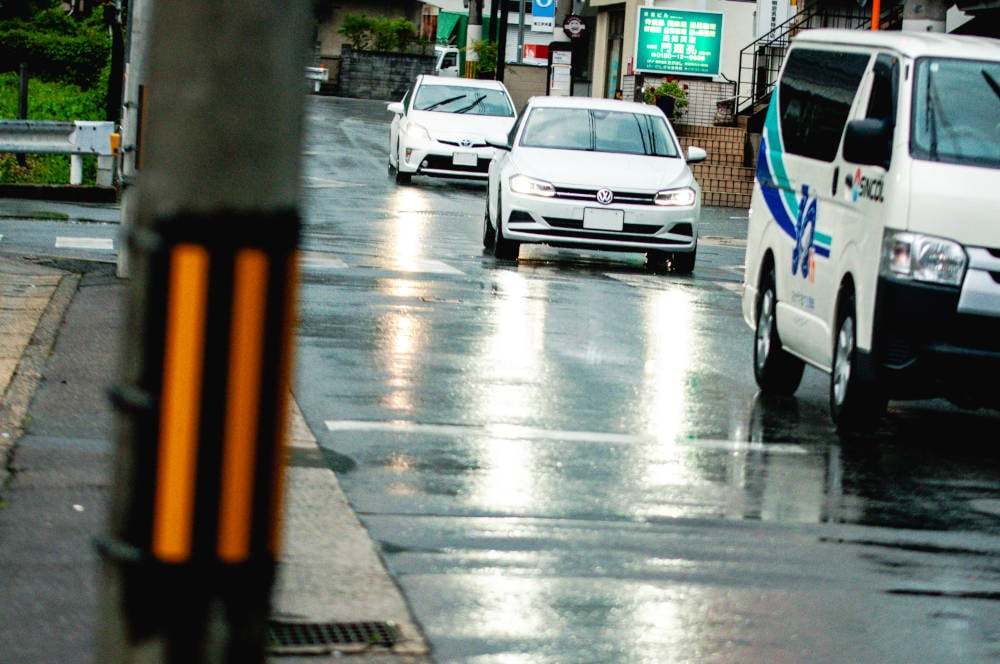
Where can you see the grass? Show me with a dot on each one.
(49, 101)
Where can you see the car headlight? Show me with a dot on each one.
(684, 197)
(418, 131)
(922, 258)
(522, 184)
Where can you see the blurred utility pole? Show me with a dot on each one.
(520, 32)
(113, 99)
(473, 35)
(502, 39)
(197, 496)
(494, 18)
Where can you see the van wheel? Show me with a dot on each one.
(503, 248)
(775, 369)
(856, 403)
(683, 262)
(489, 235)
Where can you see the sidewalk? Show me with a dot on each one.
(59, 332)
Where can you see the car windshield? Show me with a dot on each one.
(956, 112)
(462, 99)
(598, 131)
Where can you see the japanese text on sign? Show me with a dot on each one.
(671, 41)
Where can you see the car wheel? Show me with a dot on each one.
(401, 177)
(856, 403)
(776, 370)
(683, 262)
(489, 235)
(656, 261)
(503, 248)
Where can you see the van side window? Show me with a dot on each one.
(885, 92)
(815, 97)
(448, 60)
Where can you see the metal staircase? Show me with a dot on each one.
(761, 59)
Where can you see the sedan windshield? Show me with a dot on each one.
(956, 112)
(598, 131)
(462, 99)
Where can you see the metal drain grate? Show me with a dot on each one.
(295, 638)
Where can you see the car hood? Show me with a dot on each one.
(457, 126)
(619, 172)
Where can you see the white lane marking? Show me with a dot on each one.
(94, 243)
(740, 218)
(518, 432)
(732, 286)
(421, 265)
(314, 260)
(327, 183)
(722, 241)
(1, 237)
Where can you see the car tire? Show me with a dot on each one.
(489, 235)
(503, 248)
(656, 261)
(776, 370)
(401, 177)
(683, 262)
(856, 402)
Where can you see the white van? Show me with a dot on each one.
(447, 61)
(873, 251)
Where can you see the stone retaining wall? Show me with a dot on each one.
(377, 75)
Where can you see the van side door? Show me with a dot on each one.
(803, 131)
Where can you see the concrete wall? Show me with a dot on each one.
(703, 97)
(523, 82)
(371, 75)
(330, 41)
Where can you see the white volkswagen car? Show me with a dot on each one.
(440, 127)
(597, 174)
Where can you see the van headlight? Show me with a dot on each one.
(922, 258)
(683, 197)
(522, 184)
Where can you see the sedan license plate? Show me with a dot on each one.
(598, 219)
(465, 159)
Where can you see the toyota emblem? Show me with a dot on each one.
(605, 196)
(465, 143)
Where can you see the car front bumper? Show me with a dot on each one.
(923, 346)
(437, 160)
(559, 222)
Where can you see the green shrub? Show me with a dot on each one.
(668, 88)
(377, 33)
(487, 51)
(56, 47)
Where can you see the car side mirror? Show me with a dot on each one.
(867, 142)
(499, 141)
(696, 155)
(395, 107)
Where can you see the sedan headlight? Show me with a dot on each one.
(418, 131)
(522, 184)
(922, 258)
(684, 197)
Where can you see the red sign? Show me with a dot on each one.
(536, 52)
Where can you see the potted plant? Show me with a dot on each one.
(670, 96)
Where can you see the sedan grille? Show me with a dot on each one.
(474, 144)
(442, 163)
(623, 197)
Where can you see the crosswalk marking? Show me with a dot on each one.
(314, 260)
(425, 265)
(519, 432)
(92, 243)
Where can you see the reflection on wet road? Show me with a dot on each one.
(565, 459)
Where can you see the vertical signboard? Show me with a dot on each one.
(673, 41)
(560, 73)
(543, 15)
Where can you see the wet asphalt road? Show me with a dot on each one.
(566, 460)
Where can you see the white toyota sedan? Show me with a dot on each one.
(594, 174)
(440, 127)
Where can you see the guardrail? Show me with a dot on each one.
(76, 139)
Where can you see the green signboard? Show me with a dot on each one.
(672, 41)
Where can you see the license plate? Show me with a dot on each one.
(465, 159)
(603, 220)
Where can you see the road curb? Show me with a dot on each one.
(16, 399)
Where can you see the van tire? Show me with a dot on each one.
(776, 370)
(503, 248)
(856, 402)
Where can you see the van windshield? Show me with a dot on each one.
(956, 112)
(462, 99)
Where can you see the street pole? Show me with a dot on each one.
(520, 33)
(22, 103)
(473, 35)
(189, 558)
(494, 15)
(502, 37)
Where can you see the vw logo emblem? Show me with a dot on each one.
(465, 143)
(605, 196)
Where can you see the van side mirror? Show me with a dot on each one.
(696, 155)
(395, 107)
(498, 141)
(867, 142)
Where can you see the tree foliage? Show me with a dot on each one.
(377, 33)
(55, 46)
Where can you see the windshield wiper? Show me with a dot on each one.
(992, 82)
(442, 102)
(471, 106)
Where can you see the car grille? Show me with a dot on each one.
(443, 163)
(459, 145)
(636, 229)
(621, 197)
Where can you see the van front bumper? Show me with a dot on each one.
(924, 347)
